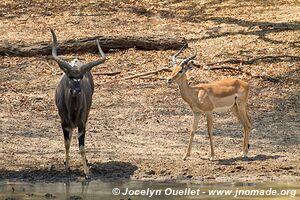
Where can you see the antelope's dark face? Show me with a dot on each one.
(75, 86)
(75, 77)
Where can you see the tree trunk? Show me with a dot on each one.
(152, 42)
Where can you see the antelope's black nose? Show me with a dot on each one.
(169, 81)
(75, 91)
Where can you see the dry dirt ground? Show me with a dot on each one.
(139, 128)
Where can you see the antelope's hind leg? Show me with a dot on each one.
(67, 130)
(241, 112)
(247, 128)
(81, 136)
(209, 130)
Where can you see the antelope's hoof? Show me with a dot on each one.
(67, 168)
(87, 176)
(87, 173)
(245, 158)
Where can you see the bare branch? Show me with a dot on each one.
(107, 73)
(148, 73)
(223, 68)
(263, 77)
(50, 67)
(154, 78)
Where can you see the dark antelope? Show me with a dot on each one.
(212, 97)
(73, 98)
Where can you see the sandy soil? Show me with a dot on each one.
(139, 128)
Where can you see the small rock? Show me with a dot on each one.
(48, 195)
(189, 176)
(287, 168)
(210, 177)
(151, 172)
(75, 198)
(239, 167)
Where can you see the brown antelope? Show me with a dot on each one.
(212, 97)
(73, 98)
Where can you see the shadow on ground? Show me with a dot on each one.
(113, 170)
(259, 157)
(109, 171)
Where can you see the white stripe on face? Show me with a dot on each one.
(76, 79)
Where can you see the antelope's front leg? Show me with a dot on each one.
(81, 136)
(67, 137)
(193, 129)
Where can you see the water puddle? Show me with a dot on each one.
(148, 190)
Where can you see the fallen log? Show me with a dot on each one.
(83, 45)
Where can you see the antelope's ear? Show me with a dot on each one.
(190, 65)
